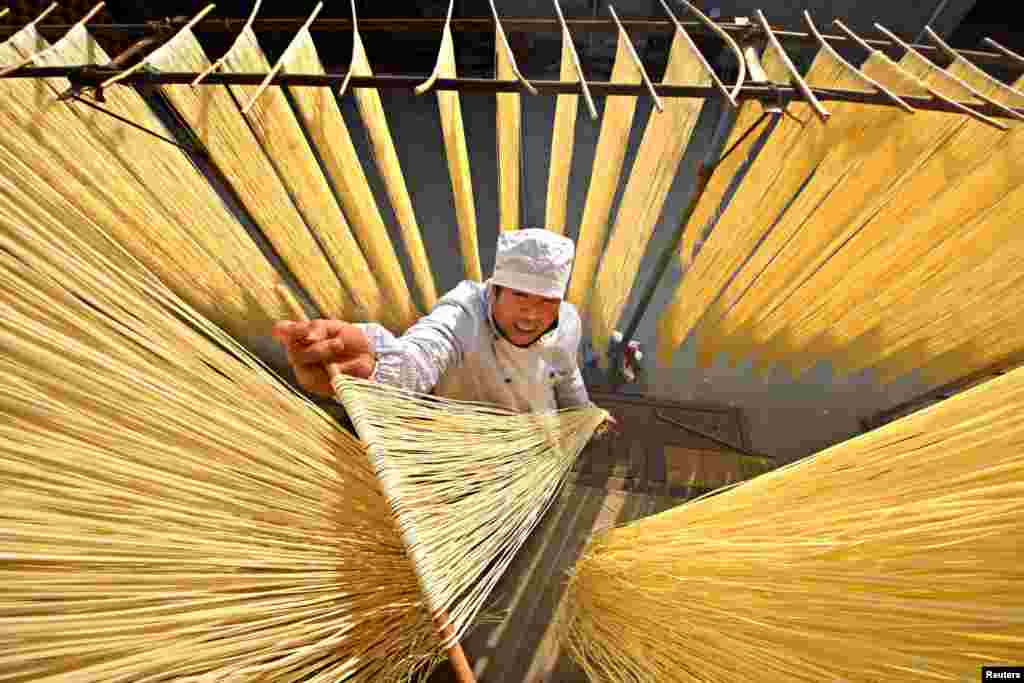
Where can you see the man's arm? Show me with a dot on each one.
(417, 360)
(571, 392)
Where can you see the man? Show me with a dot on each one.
(510, 341)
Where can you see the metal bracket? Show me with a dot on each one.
(81, 80)
(757, 72)
(90, 78)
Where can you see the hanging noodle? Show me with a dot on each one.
(386, 158)
(616, 123)
(977, 166)
(661, 151)
(870, 162)
(708, 209)
(321, 117)
(952, 294)
(53, 148)
(509, 128)
(457, 152)
(777, 174)
(214, 119)
(895, 553)
(195, 214)
(376, 281)
(183, 532)
(921, 178)
(562, 143)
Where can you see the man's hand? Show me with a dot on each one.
(313, 344)
(611, 425)
(607, 428)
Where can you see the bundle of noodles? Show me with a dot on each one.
(152, 198)
(468, 482)
(665, 140)
(158, 527)
(318, 110)
(325, 258)
(894, 553)
(609, 157)
(457, 151)
(385, 158)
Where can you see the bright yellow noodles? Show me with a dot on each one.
(864, 149)
(894, 552)
(321, 117)
(508, 123)
(562, 143)
(468, 482)
(141, 189)
(777, 174)
(171, 509)
(616, 122)
(843, 194)
(213, 116)
(661, 151)
(974, 173)
(385, 157)
(280, 135)
(887, 242)
(457, 152)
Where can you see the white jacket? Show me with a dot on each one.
(457, 352)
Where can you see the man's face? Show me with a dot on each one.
(522, 316)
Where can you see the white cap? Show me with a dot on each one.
(535, 261)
